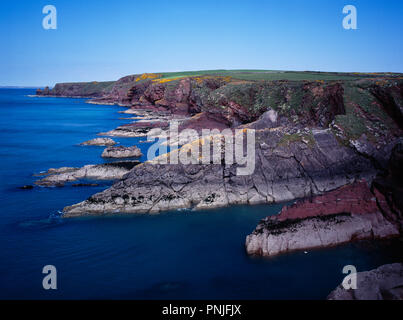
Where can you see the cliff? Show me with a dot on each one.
(317, 137)
(77, 89)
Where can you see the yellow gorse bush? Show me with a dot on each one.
(198, 79)
(165, 80)
(146, 76)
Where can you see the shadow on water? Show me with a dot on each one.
(54, 220)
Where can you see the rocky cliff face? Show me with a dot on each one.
(347, 214)
(287, 166)
(350, 213)
(334, 144)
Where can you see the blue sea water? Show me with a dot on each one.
(175, 255)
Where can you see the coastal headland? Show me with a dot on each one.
(332, 141)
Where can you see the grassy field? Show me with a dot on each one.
(235, 75)
(267, 75)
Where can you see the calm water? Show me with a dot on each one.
(173, 255)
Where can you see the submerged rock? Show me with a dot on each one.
(85, 185)
(122, 152)
(27, 187)
(107, 171)
(103, 142)
(383, 283)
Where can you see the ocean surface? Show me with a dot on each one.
(175, 255)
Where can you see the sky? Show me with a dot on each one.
(105, 40)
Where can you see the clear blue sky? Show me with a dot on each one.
(107, 39)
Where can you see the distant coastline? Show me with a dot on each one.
(21, 87)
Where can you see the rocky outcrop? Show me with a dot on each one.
(388, 186)
(311, 137)
(347, 214)
(122, 152)
(44, 92)
(389, 96)
(124, 91)
(107, 171)
(103, 142)
(53, 171)
(137, 129)
(383, 283)
(287, 166)
(355, 199)
(274, 237)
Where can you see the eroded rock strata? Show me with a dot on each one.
(383, 283)
(356, 212)
(107, 171)
(283, 171)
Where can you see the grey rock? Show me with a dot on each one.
(107, 171)
(273, 237)
(383, 283)
(56, 171)
(103, 142)
(282, 173)
(122, 152)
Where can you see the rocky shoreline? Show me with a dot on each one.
(328, 142)
(281, 174)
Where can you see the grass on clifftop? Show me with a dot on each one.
(267, 75)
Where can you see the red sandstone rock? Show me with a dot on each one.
(202, 121)
(148, 124)
(355, 199)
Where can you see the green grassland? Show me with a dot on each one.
(268, 75)
(234, 76)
